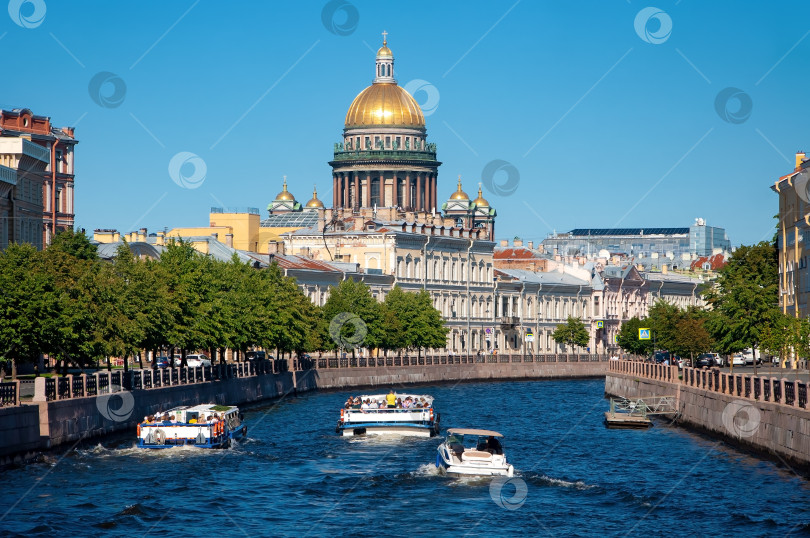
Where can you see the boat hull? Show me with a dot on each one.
(351, 430)
(475, 466)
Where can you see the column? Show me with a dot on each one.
(433, 183)
(335, 192)
(345, 179)
(428, 196)
(367, 197)
(394, 201)
(407, 202)
(357, 191)
(420, 189)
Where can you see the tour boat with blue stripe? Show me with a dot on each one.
(471, 452)
(410, 415)
(201, 426)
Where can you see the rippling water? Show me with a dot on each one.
(294, 476)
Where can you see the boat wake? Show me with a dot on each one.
(426, 469)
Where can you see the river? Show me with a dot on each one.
(293, 476)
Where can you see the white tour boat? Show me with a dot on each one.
(190, 426)
(418, 419)
(473, 452)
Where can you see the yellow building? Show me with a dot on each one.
(794, 232)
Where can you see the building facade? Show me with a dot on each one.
(53, 206)
(792, 235)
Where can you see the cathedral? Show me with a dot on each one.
(385, 170)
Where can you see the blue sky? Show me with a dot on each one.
(605, 125)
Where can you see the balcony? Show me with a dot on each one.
(509, 322)
(385, 155)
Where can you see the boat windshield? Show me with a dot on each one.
(475, 442)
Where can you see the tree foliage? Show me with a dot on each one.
(628, 340)
(745, 298)
(571, 333)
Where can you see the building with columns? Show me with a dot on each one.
(384, 159)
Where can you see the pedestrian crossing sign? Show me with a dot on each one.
(644, 334)
(600, 324)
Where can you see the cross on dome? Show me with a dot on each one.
(384, 34)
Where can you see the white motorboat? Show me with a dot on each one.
(471, 452)
(374, 417)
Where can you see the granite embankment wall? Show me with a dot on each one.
(394, 376)
(67, 414)
(766, 415)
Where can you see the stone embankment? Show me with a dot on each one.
(75, 408)
(766, 414)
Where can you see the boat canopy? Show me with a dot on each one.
(467, 431)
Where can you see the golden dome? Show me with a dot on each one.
(284, 194)
(385, 52)
(384, 104)
(480, 201)
(314, 202)
(459, 194)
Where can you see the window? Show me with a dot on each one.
(388, 141)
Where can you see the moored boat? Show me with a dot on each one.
(473, 452)
(417, 419)
(201, 426)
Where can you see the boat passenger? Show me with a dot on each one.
(399, 403)
(173, 419)
(349, 403)
(493, 446)
(392, 399)
(365, 406)
(357, 403)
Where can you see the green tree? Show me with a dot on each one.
(628, 340)
(348, 301)
(27, 304)
(745, 298)
(77, 244)
(427, 329)
(691, 338)
(663, 319)
(572, 333)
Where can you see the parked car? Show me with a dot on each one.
(705, 360)
(738, 360)
(162, 362)
(197, 360)
(716, 360)
(749, 360)
(255, 355)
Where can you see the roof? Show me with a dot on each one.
(292, 219)
(467, 431)
(716, 261)
(628, 231)
(550, 277)
(108, 251)
(516, 253)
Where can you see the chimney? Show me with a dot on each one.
(161, 239)
(518, 242)
(229, 240)
(530, 244)
(799, 159)
(272, 247)
(116, 237)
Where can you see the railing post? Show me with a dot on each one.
(39, 390)
(84, 384)
(70, 385)
(17, 392)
